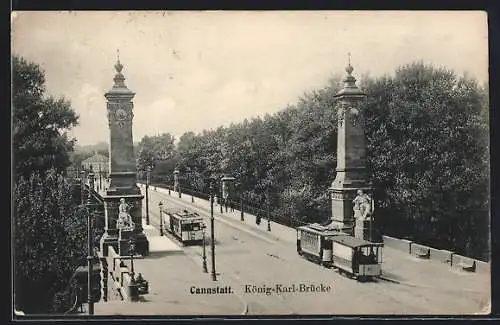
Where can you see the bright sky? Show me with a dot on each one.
(199, 70)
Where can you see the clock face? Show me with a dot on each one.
(121, 114)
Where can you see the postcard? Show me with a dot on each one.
(250, 163)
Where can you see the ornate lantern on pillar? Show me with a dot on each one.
(177, 186)
(227, 184)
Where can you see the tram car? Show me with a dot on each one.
(357, 258)
(186, 226)
(314, 242)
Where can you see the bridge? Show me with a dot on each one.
(250, 258)
(258, 269)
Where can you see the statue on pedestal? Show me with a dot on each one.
(124, 219)
(362, 206)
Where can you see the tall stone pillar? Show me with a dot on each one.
(122, 167)
(351, 155)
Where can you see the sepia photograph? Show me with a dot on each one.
(250, 163)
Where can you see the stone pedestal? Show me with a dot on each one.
(363, 229)
(111, 235)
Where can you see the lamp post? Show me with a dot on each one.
(226, 181)
(90, 255)
(212, 235)
(161, 218)
(205, 270)
(131, 250)
(100, 178)
(148, 171)
(177, 182)
(240, 190)
(242, 216)
(82, 181)
(267, 211)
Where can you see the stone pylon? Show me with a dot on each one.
(122, 167)
(351, 156)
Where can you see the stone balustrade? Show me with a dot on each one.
(444, 256)
(122, 278)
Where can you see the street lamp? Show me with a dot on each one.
(220, 200)
(82, 181)
(148, 171)
(268, 212)
(161, 218)
(240, 190)
(90, 254)
(100, 178)
(131, 251)
(226, 180)
(176, 182)
(205, 270)
(212, 241)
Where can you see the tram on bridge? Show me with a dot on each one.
(186, 226)
(357, 258)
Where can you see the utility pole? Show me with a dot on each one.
(161, 218)
(90, 255)
(82, 181)
(212, 234)
(205, 270)
(148, 170)
(268, 212)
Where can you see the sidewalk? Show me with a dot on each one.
(158, 244)
(171, 275)
(278, 231)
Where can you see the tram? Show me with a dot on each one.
(357, 258)
(185, 226)
(314, 242)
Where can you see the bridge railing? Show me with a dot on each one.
(236, 204)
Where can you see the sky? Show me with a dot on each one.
(195, 70)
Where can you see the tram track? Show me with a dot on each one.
(207, 212)
(376, 289)
(193, 254)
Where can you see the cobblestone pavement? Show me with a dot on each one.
(248, 255)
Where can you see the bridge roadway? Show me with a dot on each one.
(248, 254)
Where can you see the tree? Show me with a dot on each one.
(48, 227)
(427, 133)
(49, 239)
(152, 149)
(40, 122)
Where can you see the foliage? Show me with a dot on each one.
(152, 150)
(427, 133)
(49, 239)
(40, 122)
(48, 229)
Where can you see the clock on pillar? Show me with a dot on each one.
(122, 167)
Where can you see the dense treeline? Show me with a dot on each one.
(48, 225)
(427, 150)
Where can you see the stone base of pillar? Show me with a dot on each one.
(140, 240)
(106, 241)
(363, 230)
